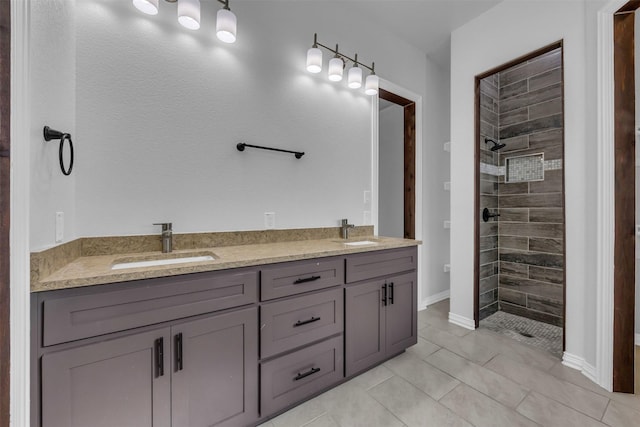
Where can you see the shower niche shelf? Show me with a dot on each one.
(524, 168)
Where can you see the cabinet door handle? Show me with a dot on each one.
(178, 340)
(159, 347)
(306, 279)
(391, 293)
(384, 294)
(306, 374)
(305, 322)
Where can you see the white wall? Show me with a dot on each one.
(437, 170)
(391, 171)
(53, 100)
(160, 110)
(477, 47)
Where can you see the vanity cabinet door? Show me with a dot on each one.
(402, 315)
(380, 320)
(117, 382)
(215, 370)
(364, 326)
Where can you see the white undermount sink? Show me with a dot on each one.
(130, 263)
(361, 243)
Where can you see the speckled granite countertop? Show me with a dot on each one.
(85, 270)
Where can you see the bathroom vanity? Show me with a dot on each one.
(229, 347)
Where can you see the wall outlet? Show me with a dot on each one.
(59, 227)
(366, 218)
(447, 146)
(269, 220)
(367, 197)
(447, 186)
(447, 224)
(447, 268)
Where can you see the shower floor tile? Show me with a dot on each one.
(537, 334)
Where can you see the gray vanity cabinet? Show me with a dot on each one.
(215, 370)
(199, 373)
(110, 383)
(381, 313)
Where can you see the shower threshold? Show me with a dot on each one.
(542, 336)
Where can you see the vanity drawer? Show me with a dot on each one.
(294, 322)
(293, 278)
(92, 311)
(291, 378)
(383, 263)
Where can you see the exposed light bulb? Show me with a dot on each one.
(150, 7)
(336, 68)
(314, 60)
(189, 14)
(371, 85)
(354, 77)
(226, 25)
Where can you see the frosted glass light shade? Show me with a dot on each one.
(226, 24)
(336, 67)
(314, 60)
(189, 14)
(354, 77)
(150, 7)
(371, 85)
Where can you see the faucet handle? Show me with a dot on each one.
(345, 221)
(166, 226)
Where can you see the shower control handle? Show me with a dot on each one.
(486, 215)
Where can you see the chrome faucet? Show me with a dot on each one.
(167, 236)
(345, 228)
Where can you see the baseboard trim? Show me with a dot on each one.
(589, 371)
(572, 361)
(576, 362)
(434, 299)
(462, 321)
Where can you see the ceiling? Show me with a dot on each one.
(426, 24)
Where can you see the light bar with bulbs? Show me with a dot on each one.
(189, 16)
(337, 65)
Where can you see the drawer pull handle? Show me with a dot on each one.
(391, 293)
(306, 374)
(305, 322)
(179, 359)
(159, 347)
(306, 279)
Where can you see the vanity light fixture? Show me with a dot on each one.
(354, 78)
(189, 16)
(337, 65)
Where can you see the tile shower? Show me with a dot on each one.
(521, 246)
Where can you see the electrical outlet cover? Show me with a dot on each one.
(59, 227)
(269, 220)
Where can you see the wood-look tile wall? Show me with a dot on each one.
(531, 222)
(489, 128)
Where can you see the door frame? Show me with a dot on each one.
(5, 209)
(20, 389)
(409, 111)
(611, 362)
(386, 86)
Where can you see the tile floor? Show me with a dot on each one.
(457, 377)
